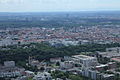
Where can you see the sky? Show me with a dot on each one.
(58, 5)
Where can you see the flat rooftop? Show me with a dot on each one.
(109, 54)
(82, 57)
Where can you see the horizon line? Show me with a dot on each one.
(60, 11)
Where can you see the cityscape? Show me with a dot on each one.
(60, 36)
(59, 40)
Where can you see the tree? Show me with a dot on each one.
(58, 64)
(42, 69)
